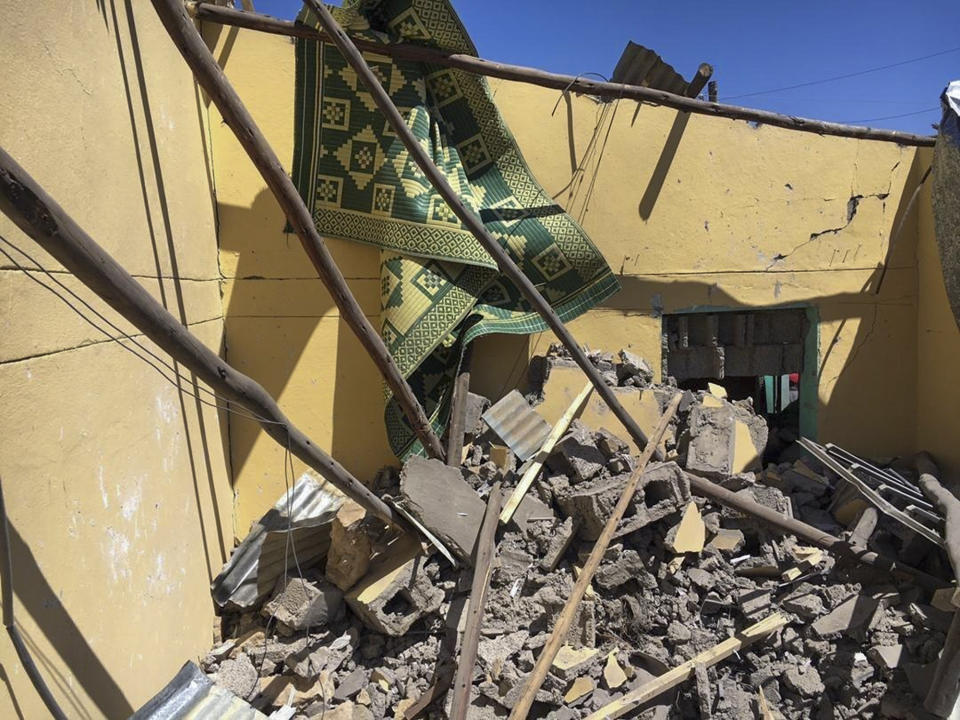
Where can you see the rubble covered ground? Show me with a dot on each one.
(345, 636)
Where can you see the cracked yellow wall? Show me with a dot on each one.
(690, 211)
(116, 485)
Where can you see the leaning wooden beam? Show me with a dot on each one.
(677, 675)
(486, 545)
(565, 620)
(40, 217)
(211, 78)
(769, 516)
(479, 66)
(458, 409)
(536, 464)
(472, 222)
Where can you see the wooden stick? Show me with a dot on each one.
(211, 78)
(559, 633)
(473, 223)
(557, 81)
(40, 217)
(530, 474)
(677, 675)
(486, 545)
(458, 409)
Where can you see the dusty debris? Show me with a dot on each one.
(680, 578)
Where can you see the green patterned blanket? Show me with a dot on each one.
(439, 288)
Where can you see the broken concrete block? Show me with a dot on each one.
(563, 534)
(571, 662)
(302, 603)
(887, 657)
(437, 496)
(632, 365)
(476, 406)
(239, 676)
(349, 556)
(613, 674)
(609, 444)
(396, 592)
(351, 684)
(690, 534)
(531, 509)
(576, 455)
(754, 604)
(804, 602)
(627, 566)
(725, 440)
(580, 688)
(851, 617)
(498, 649)
(727, 541)
(804, 680)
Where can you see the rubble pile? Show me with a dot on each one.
(367, 630)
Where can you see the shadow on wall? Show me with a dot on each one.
(40, 601)
(284, 330)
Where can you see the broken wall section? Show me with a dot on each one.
(116, 484)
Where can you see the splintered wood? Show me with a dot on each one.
(677, 675)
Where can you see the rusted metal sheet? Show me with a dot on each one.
(639, 65)
(191, 696)
(307, 511)
(518, 425)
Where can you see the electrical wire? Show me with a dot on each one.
(165, 365)
(844, 76)
(890, 117)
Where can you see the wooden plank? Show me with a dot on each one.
(558, 81)
(486, 546)
(559, 633)
(458, 408)
(536, 463)
(211, 78)
(677, 675)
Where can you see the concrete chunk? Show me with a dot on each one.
(437, 495)
(690, 534)
(396, 592)
(850, 617)
(302, 603)
(724, 439)
(349, 556)
(571, 662)
(577, 456)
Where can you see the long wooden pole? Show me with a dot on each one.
(557, 81)
(211, 78)
(40, 217)
(473, 223)
(486, 545)
(565, 620)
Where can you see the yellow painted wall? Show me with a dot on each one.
(117, 485)
(938, 347)
(690, 211)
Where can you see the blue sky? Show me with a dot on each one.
(753, 46)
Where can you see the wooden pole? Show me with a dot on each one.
(40, 217)
(557, 81)
(486, 545)
(672, 678)
(211, 78)
(565, 620)
(704, 73)
(473, 223)
(709, 489)
(458, 409)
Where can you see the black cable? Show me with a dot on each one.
(843, 77)
(6, 576)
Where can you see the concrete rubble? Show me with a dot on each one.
(365, 631)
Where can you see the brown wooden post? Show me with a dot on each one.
(458, 409)
(473, 223)
(40, 217)
(214, 82)
(558, 81)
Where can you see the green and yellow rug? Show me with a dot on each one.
(439, 288)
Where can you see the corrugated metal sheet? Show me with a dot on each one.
(642, 66)
(263, 555)
(191, 696)
(522, 429)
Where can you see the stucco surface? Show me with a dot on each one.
(116, 483)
